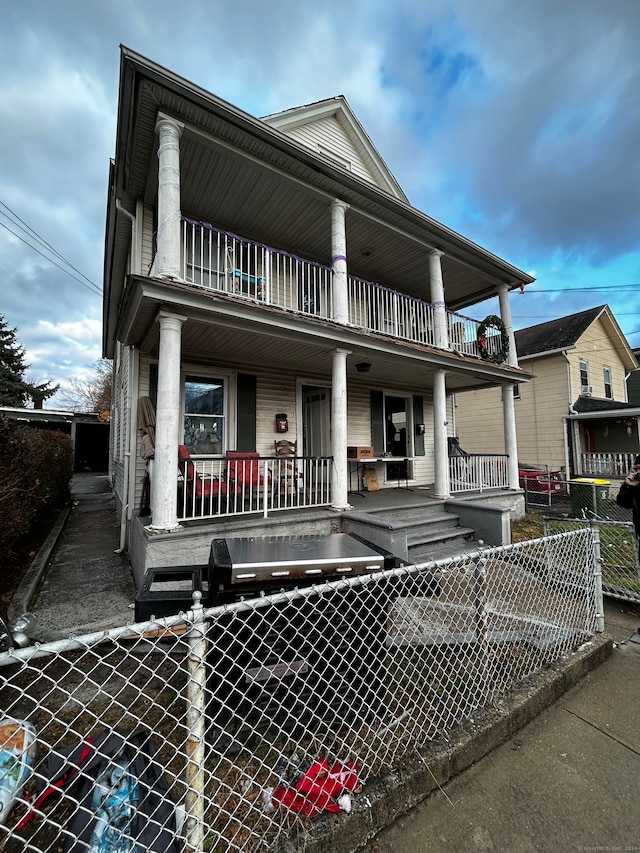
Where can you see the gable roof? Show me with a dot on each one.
(309, 123)
(564, 333)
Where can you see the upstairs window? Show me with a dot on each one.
(608, 390)
(584, 377)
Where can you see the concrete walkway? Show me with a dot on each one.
(568, 781)
(79, 582)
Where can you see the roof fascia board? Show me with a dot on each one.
(633, 412)
(545, 353)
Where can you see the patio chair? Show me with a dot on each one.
(197, 487)
(243, 470)
(286, 451)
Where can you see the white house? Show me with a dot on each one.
(268, 279)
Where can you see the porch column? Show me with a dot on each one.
(505, 316)
(510, 440)
(167, 261)
(339, 472)
(165, 469)
(436, 295)
(440, 446)
(339, 291)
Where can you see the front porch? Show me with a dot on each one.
(410, 523)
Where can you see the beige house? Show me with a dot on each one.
(268, 281)
(574, 415)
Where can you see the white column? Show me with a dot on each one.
(339, 472)
(440, 447)
(505, 316)
(339, 290)
(167, 262)
(436, 294)
(510, 439)
(165, 470)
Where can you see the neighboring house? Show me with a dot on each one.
(89, 432)
(574, 415)
(633, 381)
(267, 279)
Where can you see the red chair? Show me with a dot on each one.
(198, 489)
(243, 469)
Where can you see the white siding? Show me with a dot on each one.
(326, 136)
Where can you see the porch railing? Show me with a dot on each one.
(476, 472)
(241, 486)
(606, 464)
(226, 262)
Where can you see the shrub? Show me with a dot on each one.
(35, 473)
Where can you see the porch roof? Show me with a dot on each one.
(242, 335)
(274, 190)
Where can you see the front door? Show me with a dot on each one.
(316, 421)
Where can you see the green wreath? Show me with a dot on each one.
(495, 323)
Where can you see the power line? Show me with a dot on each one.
(31, 233)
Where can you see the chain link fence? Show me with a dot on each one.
(266, 711)
(568, 504)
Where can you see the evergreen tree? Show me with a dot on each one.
(14, 389)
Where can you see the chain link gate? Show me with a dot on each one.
(228, 739)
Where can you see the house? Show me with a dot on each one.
(633, 381)
(267, 280)
(574, 415)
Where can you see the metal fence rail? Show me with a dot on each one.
(248, 702)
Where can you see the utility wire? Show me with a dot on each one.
(91, 286)
(34, 235)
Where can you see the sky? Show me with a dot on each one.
(517, 124)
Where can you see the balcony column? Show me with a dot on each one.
(165, 470)
(339, 469)
(440, 446)
(339, 287)
(510, 439)
(436, 295)
(505, 316)
(167, 261)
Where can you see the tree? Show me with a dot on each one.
(15, 390)
(90, 395)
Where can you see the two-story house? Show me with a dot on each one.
(574, 415)
(267, 281)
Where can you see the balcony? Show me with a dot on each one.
(225, 262)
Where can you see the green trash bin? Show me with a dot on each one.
(589, 496)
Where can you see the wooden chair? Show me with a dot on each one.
(286, 451)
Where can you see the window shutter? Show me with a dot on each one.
(377, 423)
(418, 418)
(246, 415)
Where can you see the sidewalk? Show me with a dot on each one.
(79, 583)
(568, 781)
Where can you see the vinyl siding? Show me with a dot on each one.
(326, 136)
(597, 349)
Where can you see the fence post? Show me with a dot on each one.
(597, 576)
(480, 598)
(196, 687)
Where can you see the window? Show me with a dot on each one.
(608, 391)
(516, 391)
(584, 374)
(204, 415)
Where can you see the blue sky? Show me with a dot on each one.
(516, 124)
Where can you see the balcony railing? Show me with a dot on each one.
(222, 261)
(476, 472)
(241, 486)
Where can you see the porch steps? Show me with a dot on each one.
(431, 532)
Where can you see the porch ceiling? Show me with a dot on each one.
(228, 332)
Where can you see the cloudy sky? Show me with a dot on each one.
(515, 123)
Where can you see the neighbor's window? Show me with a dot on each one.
(204, 415)
(516, 391)
(608, 390)
(584, 373)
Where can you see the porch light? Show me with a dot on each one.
(363, 367)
